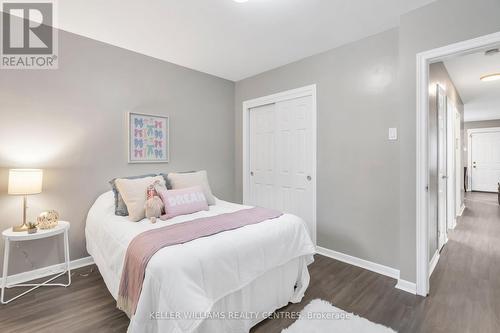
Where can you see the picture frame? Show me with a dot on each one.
(148, 138)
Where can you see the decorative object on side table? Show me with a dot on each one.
(148, 138)
(24, 182)
(32, 228)
(48, 220)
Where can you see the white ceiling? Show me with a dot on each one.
(481, 99)
(228, 39)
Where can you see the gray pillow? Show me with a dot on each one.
(120, 207)
(167, 182)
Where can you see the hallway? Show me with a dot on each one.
(465, 286)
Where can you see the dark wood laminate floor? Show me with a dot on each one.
(464, 297)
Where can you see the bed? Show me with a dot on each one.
(226, 282)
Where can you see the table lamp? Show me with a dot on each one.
(24, 182)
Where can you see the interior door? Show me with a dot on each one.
(281, 158)
(458, 162)
(442, 167)
(485, 157)
(294, 157)
(262, 159)
(450, 172)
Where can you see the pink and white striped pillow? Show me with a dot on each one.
(183, 201)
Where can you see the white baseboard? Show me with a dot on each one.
(47, 271)
(454, 224)
(433, 263)
(407, 286)
(355, 261)
(403, 285)
(461, 210)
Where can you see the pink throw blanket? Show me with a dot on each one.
(142, 248)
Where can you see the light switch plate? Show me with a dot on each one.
(393, 134)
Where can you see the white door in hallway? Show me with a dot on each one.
(485, 159)
(442, 168)
(458, 163)
(281, 157)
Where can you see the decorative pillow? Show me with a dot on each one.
(120, 207)
(184, 180)
(167, 182)
(134, 194)
(184, 201)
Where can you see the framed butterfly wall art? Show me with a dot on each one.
(148, 140)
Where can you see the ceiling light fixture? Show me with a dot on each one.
(491, 52)
(240, 1)
(490, 77)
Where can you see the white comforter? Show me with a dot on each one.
(188, 279)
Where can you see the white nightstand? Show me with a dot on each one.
(10, 236)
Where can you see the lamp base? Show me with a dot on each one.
(20, 228)
(24, 225)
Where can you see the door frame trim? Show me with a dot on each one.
(423, 60)
(471, 131)
(274, 98)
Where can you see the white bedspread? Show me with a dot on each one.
(188, 279)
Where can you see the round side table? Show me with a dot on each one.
(11, 236)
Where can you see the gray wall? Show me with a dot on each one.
(438, 75)
(437, 24)
(76, 125)
(358, 167)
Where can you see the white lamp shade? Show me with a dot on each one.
(25, 181)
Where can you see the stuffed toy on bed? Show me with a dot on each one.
(154, 206)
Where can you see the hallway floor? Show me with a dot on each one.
(465, 286)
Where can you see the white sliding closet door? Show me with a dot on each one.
(262, 159)
(294, 157)
(281, 157)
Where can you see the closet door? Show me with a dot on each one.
(294, 157)
(281, 157)
(262, 156)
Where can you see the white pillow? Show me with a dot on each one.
(133, 192)
(191, 179)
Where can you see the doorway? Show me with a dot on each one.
(423, 200)
(279, 153)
